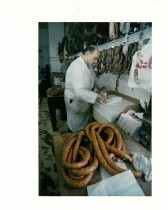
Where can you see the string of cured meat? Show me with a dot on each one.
(83, 151)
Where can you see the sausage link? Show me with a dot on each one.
(99, 153)
(69, 158)
(70, 137)
(110, 134)
(71, 175)
(106, 155)
(118, 152)
(88, 128)
(123, 148)
(70, 141)
(77, 183)
(116, 131)
(135, 173)
(114, 142)
(88, 169)
(80, 164)
(76, 147)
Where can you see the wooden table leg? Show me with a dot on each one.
(53, 119)
(63, 113)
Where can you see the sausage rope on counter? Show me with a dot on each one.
(83, 151)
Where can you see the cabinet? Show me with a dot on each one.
(56, 102)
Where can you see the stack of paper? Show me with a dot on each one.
(113, 99)
(123, 184)
(112, 108)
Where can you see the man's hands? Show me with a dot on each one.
(102, 95)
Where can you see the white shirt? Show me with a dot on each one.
(79, 82)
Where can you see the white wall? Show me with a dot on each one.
(109, 81)
(133, 92)
(56, 34)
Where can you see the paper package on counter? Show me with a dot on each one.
(129, 124)
(111, 99)
(111, 109)
(122, 184)
(140, 162)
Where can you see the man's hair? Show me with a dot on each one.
(89, 49)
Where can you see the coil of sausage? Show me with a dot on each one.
(80, 162)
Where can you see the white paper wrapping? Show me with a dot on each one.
(114, 106)
(123, 184)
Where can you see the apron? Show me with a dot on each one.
(78, 114)
(78, 106)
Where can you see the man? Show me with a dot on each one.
(79, 83)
